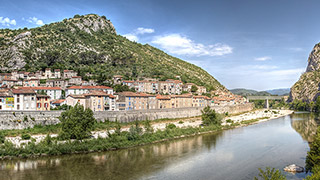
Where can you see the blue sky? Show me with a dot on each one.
(251, 44)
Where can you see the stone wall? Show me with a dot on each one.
(24, 119)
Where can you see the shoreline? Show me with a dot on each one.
(226, 126)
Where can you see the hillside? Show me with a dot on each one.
(279, 92)
(90, 44)
(249, 92)
(307, 87)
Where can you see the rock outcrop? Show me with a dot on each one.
(307, 87)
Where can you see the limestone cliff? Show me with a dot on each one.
(307, 87)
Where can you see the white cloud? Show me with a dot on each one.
(296, 49)
(142, 30)
(131, 37)
(35, 20)
(180, 45)
(139, 31)
(5, 21)
(264, 58)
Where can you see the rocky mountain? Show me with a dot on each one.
(307, 87)
(249, 92)
(90, 45)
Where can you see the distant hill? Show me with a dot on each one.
(249, 92)
(90, 45)
(279, 92)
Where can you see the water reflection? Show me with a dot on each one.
(305, 124)
(111, 164)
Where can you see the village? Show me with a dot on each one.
(49, 90)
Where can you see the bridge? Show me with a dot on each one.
(266, 98)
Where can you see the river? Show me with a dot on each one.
(234, 154)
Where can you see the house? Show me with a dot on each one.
(57, 74)
(77, 90)
(9, 82)
(5, 76)
(73, 99)
(48, 74)
(24, 99)
(6, 100)
(136, 101)
(128, 83)
(67, 74)
(163, 102)
(199, 101)
(43, 102)
(201, 90)
(57, 83)
(75, 80)
(57, 103)
(180, 101)
(53, 92)
(117, 79)
(31, 83)
(100, 101)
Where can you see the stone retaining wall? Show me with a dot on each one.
(25, 119)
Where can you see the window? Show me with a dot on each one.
(18, 100)
(39, 105)
(18, 106)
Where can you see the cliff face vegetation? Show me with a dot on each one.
(90, 45)
(307, 87)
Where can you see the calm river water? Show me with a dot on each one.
(232, 155)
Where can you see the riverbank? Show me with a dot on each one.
(41, 144)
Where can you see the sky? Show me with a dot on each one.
(251, 44)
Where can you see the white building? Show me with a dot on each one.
(53, 92)
(24, 99)
(77, 90)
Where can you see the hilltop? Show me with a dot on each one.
(90, 45)
(249, 92)
(307, 87)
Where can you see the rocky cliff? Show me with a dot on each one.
(307, 87)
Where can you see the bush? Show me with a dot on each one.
(2, 138)
(76, 123)
(229, 121)
(171, 126)
(25, 136)
(210, 117)
(270, 174)
(181, 122)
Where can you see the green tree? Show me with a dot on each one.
(316, 107)
(76, 123)
(270, 174)
(210, 117)
(194, 88)
(313, 157)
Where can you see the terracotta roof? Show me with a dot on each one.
(57, 70)
(59, 101)
(7, 79)
(43, 96)
(68, 70)
(127, 81)
(46, 88)
(76, 77)
(182, 96)
(77, 95)
(161, 97)
(89, 87)
(129, 93)
(23, 91)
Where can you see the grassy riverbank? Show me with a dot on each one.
(117, 138)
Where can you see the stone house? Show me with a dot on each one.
(179, 101)
(73, 99)
(9, 82)
(201, 90)
(57, 83)
(75, 80)
(164, 101)
(43, 102)
(136, 101)
(67, 74)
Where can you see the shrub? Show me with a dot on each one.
(270, 174)
(2, 137)
(25, 136)
(25, 119)
(210, 117)
(181, 122)
(171, 126)
(229, 121)
(76, 123)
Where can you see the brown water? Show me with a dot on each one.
(232, 155)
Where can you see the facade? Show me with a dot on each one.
(53, 92)
(57, 103)
(73, 99)
(9, 82)
(31, 83)
(6, 100)
(201, 90)
(136, 101)
(43, 102)
(164, 102)
(76, 90)
(67, 74)
(24, 99)
(57, 83)
(57, 74)
(75, 80)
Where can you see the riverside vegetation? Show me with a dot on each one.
(75, 132)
